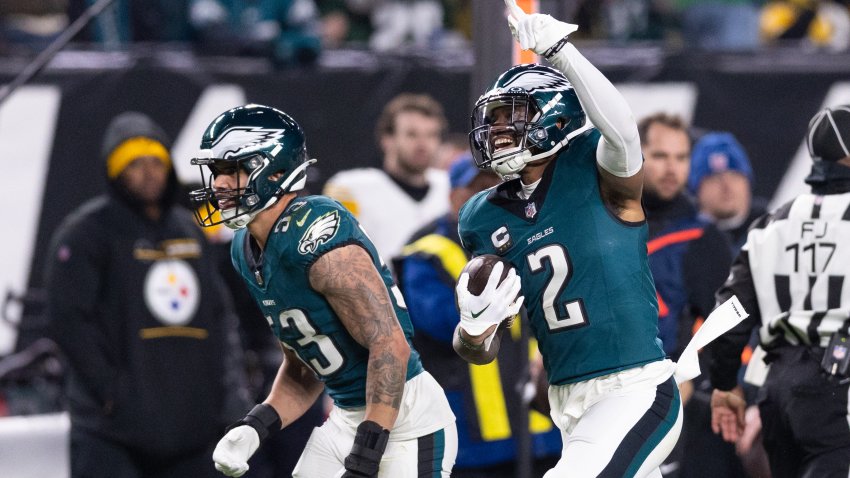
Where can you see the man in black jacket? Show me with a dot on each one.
(142, 317)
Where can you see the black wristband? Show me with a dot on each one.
(556, 47)
(368, 449)
(263, 418)
(468, 345)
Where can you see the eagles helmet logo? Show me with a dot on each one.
(240, 138)
(319, 232)
(537, 81)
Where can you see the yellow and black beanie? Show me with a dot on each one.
(129, 136)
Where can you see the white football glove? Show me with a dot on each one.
(496, 302)
(232, 452)
(537, 32)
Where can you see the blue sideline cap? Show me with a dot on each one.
(463, 171)
(715, 153)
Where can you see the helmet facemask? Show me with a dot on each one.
(544, 115)
(265, 151)
(238, 206)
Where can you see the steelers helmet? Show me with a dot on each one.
(537, 112)
(265, 148)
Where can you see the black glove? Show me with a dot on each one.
(365, 456)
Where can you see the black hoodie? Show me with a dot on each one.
(140, 312)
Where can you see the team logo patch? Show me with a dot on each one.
(172, 291)
(530, 210)
(240, 138)
(322, 230)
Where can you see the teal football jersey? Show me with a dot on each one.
(300, 317)
(588, 289)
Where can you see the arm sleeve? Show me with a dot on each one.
(726, 350)
(619, 150)
(74, 283)
(430, 301)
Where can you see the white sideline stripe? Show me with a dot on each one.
(27, 127)
(215, 100)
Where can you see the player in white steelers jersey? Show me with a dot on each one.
(407, 192)
(791, 276)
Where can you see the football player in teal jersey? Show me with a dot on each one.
(332, 304)
(571, 224)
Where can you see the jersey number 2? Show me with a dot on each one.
(563, 315)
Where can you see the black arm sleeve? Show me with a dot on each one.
(726, 350)
(74, 282)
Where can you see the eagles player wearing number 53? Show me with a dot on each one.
(572, 225)
(331, 302)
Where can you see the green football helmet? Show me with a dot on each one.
(258, 142)
(530, 113)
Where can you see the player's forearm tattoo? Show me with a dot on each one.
(349, 281)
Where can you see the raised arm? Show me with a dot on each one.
(348, 279)
(618, 153)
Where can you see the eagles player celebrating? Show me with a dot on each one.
(332, 304)
(572, 225)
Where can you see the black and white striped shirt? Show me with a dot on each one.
(791, 276)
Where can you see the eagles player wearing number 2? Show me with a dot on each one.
(332, 304)
(573, 227)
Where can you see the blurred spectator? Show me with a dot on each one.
(139, 310)
(819, 23)
(721, 180)
(31, 24)
(345, 22)
(127, 21)
(397, 23)
(408, 192)
(625, 20)
(453, 148)
(720, 24)
(286, 31)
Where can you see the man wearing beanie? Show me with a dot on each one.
(689, 258)
(721, 181)
(791, 276)
(138, 310)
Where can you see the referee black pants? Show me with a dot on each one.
(804, 417)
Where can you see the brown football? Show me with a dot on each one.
(479, 268)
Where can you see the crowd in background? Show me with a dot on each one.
(296, 31)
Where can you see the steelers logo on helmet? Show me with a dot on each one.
(266, 151)
(530, 113)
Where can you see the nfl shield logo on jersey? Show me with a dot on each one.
(839, 352)
(530, 210)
